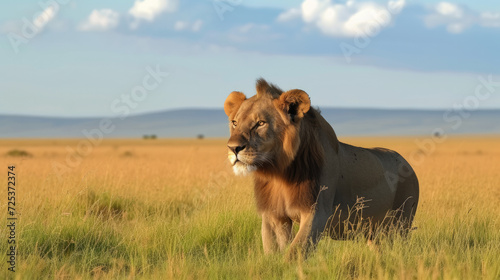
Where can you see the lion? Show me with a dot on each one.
(302, 173)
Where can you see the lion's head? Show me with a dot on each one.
(264, 128)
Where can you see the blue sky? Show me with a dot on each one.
(69, 58)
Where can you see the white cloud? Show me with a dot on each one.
(348, 19)
(197, 25)
(291, 14)
(181, 25)
(29, 28)
(45, 17)
(489, 19)
(458, 18)
(449, 9)
(185, 25)
(150, 9)
(100, 20)
(452, 16)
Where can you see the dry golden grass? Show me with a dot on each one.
(173, 209)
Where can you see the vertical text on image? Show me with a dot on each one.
(11, 218)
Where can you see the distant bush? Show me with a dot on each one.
(152, 136)
(18, 153)
(200, 136)
(127, 154)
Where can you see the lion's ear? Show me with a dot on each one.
(295, 103)
(233, 102)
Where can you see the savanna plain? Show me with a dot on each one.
(172, 209)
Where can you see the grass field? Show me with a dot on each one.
(172, 209)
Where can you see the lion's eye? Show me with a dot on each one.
(261, 123)
(235, 123)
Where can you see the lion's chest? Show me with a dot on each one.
(280, 200)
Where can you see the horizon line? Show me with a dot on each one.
(222, 110)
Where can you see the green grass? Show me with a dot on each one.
(113, 237)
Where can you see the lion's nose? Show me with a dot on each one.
(236, 149)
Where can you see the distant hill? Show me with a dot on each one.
(213, 123)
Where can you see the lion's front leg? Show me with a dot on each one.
(283, 232)
(312, 225)
(299, 243)
(276, 233)
(268, 237)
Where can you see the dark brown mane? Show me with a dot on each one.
(301, 176)
(263, 89)
(305, 169)
(309, 158)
